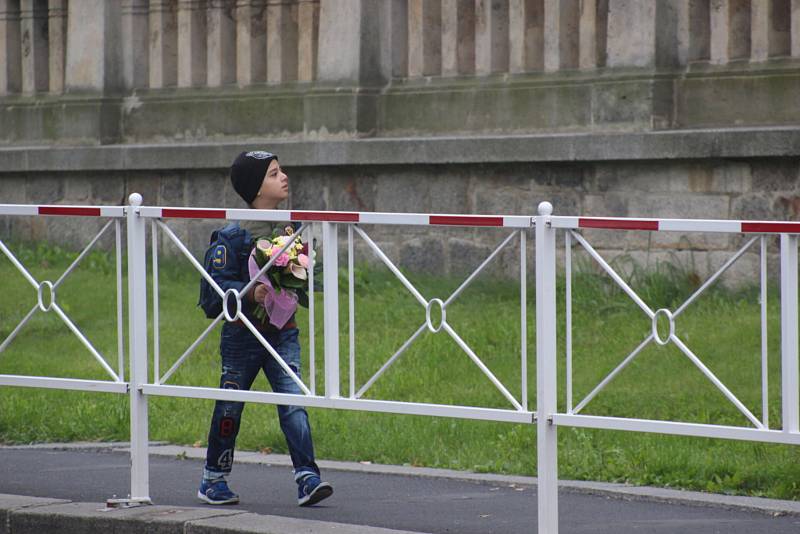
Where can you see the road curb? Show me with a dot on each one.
(29, 515)
(773, 507)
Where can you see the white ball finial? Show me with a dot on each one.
(545, 208)
(135, 199)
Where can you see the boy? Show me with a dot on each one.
(257, 177)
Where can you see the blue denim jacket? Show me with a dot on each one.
(232, 249)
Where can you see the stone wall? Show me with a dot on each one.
(653, 108)
(760, 189)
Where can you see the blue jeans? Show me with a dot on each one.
(243, 357)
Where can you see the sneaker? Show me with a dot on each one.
(216, 492)
(311, 490)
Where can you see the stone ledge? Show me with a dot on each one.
(32, 515)
(662, 145)
(12, 503)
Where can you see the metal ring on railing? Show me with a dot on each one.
(671, 326)
(428, 315)
(39, 302)
(235, 293)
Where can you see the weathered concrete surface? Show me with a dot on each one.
(11, 503)
(260, 524)
(533, 149)
(77, 518)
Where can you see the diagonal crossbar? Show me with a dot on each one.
(239, 315)
(672, 337)
(716, 381)
(460, 342)
(613, 374)
(82, 255)
(613, 274)
(21, 268)
(61, 314)
(385, 259)
(713, 278)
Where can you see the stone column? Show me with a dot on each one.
(587, 35)
(770, 22)
(35, 69)
(134, 43)
(424, 38)
(526, 35)
(398, 38)
(163, 30)
(643, 33)
(307, 39)
(221, 46)
(281, 41)
(339, 49)
(93, 50)
(458, 37)
(57, 39)
(351, 49)
(698, 31)
(251, 42)
(491, 36)
(760, 29)
(10, 57)
(561, 23)
(795, 28)
(631, 33)
(191, 43)
(730, 30)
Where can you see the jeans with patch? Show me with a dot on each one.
(243, 357)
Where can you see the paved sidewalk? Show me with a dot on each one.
(410, 499)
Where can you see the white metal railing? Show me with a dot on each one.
(546, 228)
(117, 383)
(330, 221)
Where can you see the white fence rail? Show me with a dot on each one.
(327, 226)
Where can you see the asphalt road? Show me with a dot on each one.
(402, 502)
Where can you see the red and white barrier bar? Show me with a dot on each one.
(677, 225)
(415, 219)
(74, 211)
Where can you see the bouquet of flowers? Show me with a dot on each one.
(286, 279)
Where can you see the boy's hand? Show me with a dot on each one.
(259, 293)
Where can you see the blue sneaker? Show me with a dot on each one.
(311, 490)
(216, 492)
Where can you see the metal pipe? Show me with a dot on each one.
(725, 391)
(120, 302)
(378, 252)
(82, 255)
(612, 374)
(85, 342)
(351, 309)
(764, 352)
(390, 361)
(714, 277)
(21, 268)
(499, 385)
(617, 278)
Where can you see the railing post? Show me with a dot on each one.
(789, 344)
(330, 293)
(137, 335)
(546, 377)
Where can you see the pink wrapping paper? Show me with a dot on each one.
(280, 306)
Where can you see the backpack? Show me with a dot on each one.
(234, 240)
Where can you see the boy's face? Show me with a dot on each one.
(274, 188)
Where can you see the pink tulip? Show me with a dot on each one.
(302, 259)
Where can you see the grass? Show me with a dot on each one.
(722, 328)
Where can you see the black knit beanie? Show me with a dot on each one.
(247, 173)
